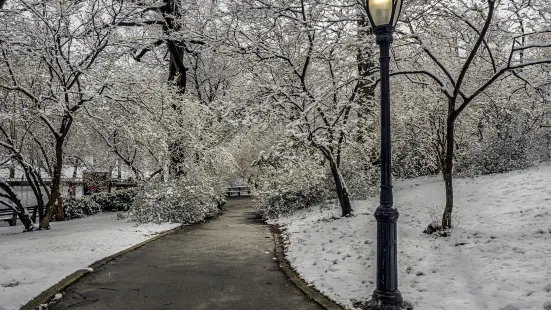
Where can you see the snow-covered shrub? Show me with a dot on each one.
(503, 134)
(494, 157)
(499, 146)
(120, 200)
(418, 122)
(197, 165)
(360, 171)
(283, 185)
(79, 207)
(271, 204)
(121, 215)
(175, 201)
(413, 158)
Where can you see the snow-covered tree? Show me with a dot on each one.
(52, 64)
(301, 59)
(469, 50)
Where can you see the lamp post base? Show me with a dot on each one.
(387, 301)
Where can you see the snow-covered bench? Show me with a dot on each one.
(238, 191)
(7, 215)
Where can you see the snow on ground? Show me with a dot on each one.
(32, 262)
(498, 257)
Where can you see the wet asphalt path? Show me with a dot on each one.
(225, 263)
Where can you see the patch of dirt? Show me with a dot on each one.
(11, 284)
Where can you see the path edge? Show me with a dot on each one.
(48, 295)
(309, 291)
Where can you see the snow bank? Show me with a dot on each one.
(32, 262)
(499, 256)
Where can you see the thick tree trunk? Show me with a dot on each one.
(51, 206)
(342, 191)
(447, 172)
(59, 216)
(119, 170)
(446, 218)
(12, 172)
(26, 219)
(177, 68)
(338, 185)
(75, 170)
(36, 183)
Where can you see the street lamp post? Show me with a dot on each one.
(383, 15)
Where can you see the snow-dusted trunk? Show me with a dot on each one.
(119, 170)
(12, 172)
(37, 185)
(25, 218)
(447, 173)
(59, 209)
(447, 217)
(53, 204)
(137, 173)
(342, 191)
(177, 69)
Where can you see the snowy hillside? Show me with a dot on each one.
(32, 262)
(498, 257)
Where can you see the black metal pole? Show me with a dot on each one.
(386, 294)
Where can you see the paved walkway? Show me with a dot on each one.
(226, 263)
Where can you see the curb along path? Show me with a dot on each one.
(318, 297)
(225, 263)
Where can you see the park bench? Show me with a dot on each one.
(238, 191)
(7, 215)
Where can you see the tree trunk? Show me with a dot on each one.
(12, 172)
(447, 172)
(176, 67)
(35, 182)
(342, 191)
(13, 221)
(26, 219)
(59, 216)
(51, 206)
(75, 170)
(119, 170)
